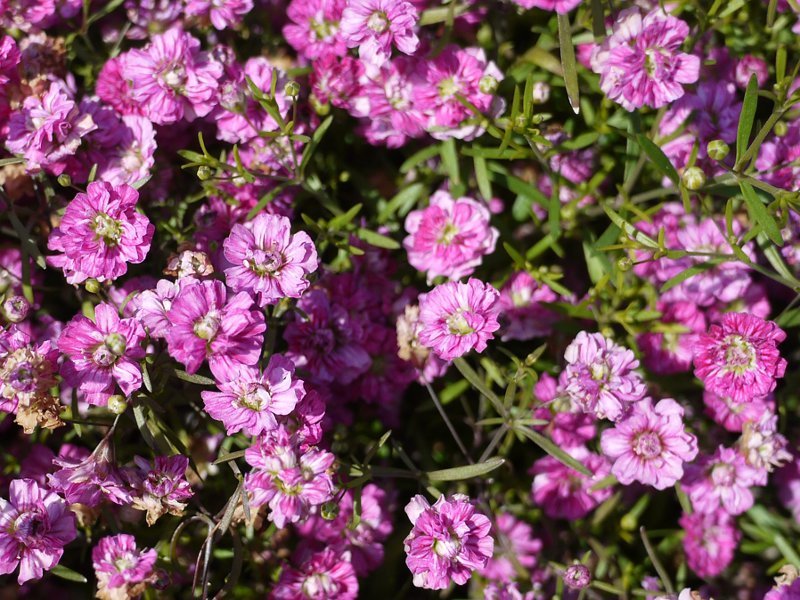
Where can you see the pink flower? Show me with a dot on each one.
(323, 575)
(710, 542)
(206, 325)
(640, 63)
(449, 237)
(152, 307)
(221, 13)
(102, 352)
(250, 399)
(523, 315)
(35, 525)
(787, 591)
(650, 445)
(564, 493)
(118, 563)
(268, 261)
(748, 66)
(448, 541)
(762, 446)
(721, 482)
(671, 351)
(100, 233)
(733, 415)
(600, 376)
(740, 359)
(172, 79)
(514, 545)
(457, 317)
(559, 6)
(160, 487)
(373, 26)
(48, 129)
(292, 481)
(314, 28)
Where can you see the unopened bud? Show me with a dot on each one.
(487, 84)
(15, 309)
(64, 180)
(625, 264)
(693, 178)
(781, 128)
(717, 149)
(292, 89)
(92, 286)
(204, 173)
(541, 92)
(330, 510)
(117, 404)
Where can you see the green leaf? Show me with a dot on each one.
(229, 457)
(377, 240)
(11, 161)
(418, 157)
(759, 213)
(747, 117)
(198, 379)
(337, 223)
(568, 62)
(482, 177)
(550, 447)
(68, 574)
(266, 199)
(629, 229)
(658, 158)
(402, 202)
(688, 274)
(471, 376)
(450, 160)
(466, 472)
(309, 150)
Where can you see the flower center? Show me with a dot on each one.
(206, 327)
(457, 324)
(23, 377)
(174, 76)
(319, 585)
(448, 234)
(28, 526)
(723, 475)
(378, 21)
(256, 398)
(124, 563)
(447, 548)
(448, 87)
(107, 229)
(647, 445)
(322, 29)
(740, 355)
(107, 353)
(264, 262)
(599, 371)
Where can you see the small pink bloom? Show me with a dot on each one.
(457, 317)
(100, 233)
(672, 351)
(222, 14)
(710, 542)
(740, 359)
(600, 376)
(373, 26)
(448, 541)
(515, 545)
(118, 563)
(102, 352)
(313, 30)
(324, 575)
(160, 487)
(35, 525)
(268, 260)
(559, 6)
(748, 66)
(721, 482)
(523, 315)
(640, 63)
(733, 415)
(650, 445)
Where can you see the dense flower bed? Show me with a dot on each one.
(331, 299)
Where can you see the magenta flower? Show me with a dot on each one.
(559, 6)
(313, 30)
(640, 63)
(733, 415)
(320, 576)
(785, 591)
(268, 261)
(600, 376)
(152, 307)
(522, 312)
(450, 237)
(564, 493)
(650, 445)
(291, 481)
(48, 129)
(710, 542)
(100, 233)
(222, 14)
(206, 325)
(102, 352)
(740, 359)
(672, 351)
(448, 541)
(721, 482)
(373, 26)
(250, 399)
(118, 563)
(160, 487)
(35, 525)
(457, 317)
(514, 545)
(172, 79)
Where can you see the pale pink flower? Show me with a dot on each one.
(374, 26)
(721, 482)
(314, 28)
(118, 563)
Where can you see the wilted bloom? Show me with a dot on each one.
(268, 260)
(171, 79)
(740, 359)
(640, 63)
(100, 233)
(709, 542)
(205, 324)
(600, 377)
(429, 366)
(374, 26)
(122, 570)
(292, 481)
(102, 352)
(522, 312)
(564, 493)
(250, 399)
(762, 445)
(448, 541)
(160, 487)
(319, 576)
(450, 237)
(457, 317)
(650, 445)
(721, 482)
(35, 525)
(48, 129)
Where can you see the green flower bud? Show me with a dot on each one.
(204, 173)
(780, 128)
(117, 404)
(693, 178)
(92, 286)
(625, 264)
(717, 149)
(292, 89)
(64, 180)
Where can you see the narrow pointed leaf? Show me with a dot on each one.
(465, 472)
